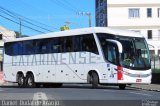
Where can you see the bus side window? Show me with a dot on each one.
(42, 46)
(28, 47)
(55, 45)
(68, 43)
(17, 48)
(89, 44)
(76, 43)
(111, 53)
(9, 48)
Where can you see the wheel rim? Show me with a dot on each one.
(20, 81)
(30, 82)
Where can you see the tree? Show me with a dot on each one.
(18, 35)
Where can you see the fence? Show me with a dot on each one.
(155, 62)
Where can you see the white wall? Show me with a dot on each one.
(119, 16)
(7, 35)
(132, 1)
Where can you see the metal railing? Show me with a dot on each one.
(155, 62)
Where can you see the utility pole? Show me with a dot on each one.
(20, 27)
(89, 17)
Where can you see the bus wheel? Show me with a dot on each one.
(30, 81)
(122, 86)
(21, 80)
(94, 80)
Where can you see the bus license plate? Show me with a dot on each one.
(138, 80)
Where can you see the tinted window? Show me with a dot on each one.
(88, 44)
(110, 51)
(28, 47)
(42, 46)
(55, 45)
(77, 44)
(8, 48)
(68, 44)
(17, 48)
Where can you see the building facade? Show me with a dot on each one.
(142, 16)
(5, 35)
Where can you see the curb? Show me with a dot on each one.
(149, 89)
(5, 83)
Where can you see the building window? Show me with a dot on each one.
(158, 12)
(149, 34)
(149, 12)
(134, 13)
(1, 37)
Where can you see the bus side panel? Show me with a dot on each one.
(8, 69)
(69, 68)
(9, 75)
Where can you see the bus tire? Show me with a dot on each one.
(94, 80)
(21, 80)
(122, 86)
(30, 81)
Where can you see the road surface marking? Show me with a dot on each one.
(40, 97)
(140, 94)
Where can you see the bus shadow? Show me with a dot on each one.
(87, 86)
(73, 86)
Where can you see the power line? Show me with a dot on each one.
(22, 24)
(70, 5)
(19, 18)
(28, 5)
(61, 4)
(27, 20)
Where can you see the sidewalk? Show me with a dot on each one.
(150, 87)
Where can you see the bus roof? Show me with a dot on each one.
(82, 31)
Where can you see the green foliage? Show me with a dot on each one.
(155, 70)
(18, 35)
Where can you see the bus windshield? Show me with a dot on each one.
(135, 53)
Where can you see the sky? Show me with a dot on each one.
(52, 13)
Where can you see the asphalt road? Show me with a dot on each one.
(78, 95)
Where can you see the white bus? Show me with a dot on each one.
(89, 55)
